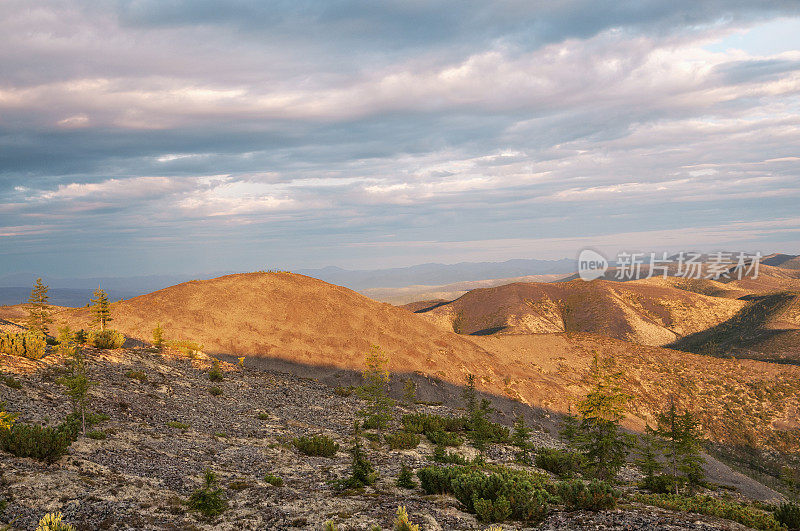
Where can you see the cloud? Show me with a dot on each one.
(303, 129)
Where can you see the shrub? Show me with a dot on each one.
(316, 445)
(44, 443)
(721, 508)
(3, 505)
(492, 511)
(329, 526)
(444, 438)
(275, 481)
(215, 391)
(402, 440)
(208, 499)
(563, 463)
(663, 483)
(424, 422)
(106, 339)
(436, 479)
(402, 523)
(523, 491)
(594, 496)
(178, 425)
(137, 375)
(53, 522)
(442, 456)
(24, 344)
(215, 373)
(10, 381)
(788, 514)
(263, 416)
(362, 472)
(97, 435)
(406, 478)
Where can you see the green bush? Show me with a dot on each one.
(316, 445)
(444, 438)
(215, 373)
(788, 514)
(594, 496)
(721, 508)
(208, 499)
(406, 478)
(10, 381)
(105, 339)
(44, 443)
(178, 425)
(437, 479)
(524, 492)
(663, 483)
(442, 456)
(492, 511)
(562, 463)
(24, 344)
(275, 481)
(402, 440)
(97, 435)
(215, 391)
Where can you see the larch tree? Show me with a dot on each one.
(599, 436)
(38, 308)
(375, 389)
(101, 308)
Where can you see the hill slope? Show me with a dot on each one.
(287, 316)
(634, 311)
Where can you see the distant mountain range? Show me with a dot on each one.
(15, 288)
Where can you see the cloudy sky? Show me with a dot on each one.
(161, 136)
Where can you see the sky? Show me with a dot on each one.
(175, 136)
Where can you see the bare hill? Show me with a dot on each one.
(287, 316)
(306, 321)
(635, 311)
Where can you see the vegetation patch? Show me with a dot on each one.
(316, 445)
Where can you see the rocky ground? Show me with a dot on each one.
(141, 474)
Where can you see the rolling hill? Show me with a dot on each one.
(640, 312)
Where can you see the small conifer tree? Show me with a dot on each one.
(38, 309)
(649, 449)
(682, 442)
(76, 381)
(409, 391)
(470, 395)
(375, 389)
(603, 444)
(158, 336)
(101, 308)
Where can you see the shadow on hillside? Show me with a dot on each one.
(744, 334)
(430, 390)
